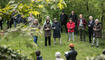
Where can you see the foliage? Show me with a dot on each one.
(9, 54)
(100, 57)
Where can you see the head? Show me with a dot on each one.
(71, 45)
(96, 21)
(103, 52)
(90, 18)
(81, 16)
(35, 21)
(47, 18)
(70, 20)
(30, 14)
(38, 53)
(58, 54)
(55, 20)
(72, 12)
(0, 18)
(63, 12)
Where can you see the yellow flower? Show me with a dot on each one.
(40, 6)
(34, 12)
(47, 0)
(60, 6)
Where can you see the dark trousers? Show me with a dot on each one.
(90, 35)
(82, 35)
(48, 39)
(1, 26)
(62, 24)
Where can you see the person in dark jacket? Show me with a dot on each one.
(97, 32)
(47, 32)
(74, 19)
(56, 26)
(90, 28)
(38, 55)
(1, 22)
(82, 27)
(63, 20)
(13, 19)
(72, 54)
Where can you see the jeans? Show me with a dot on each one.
(71, 33)
(95, 40)
(35, 39)
(15, 24)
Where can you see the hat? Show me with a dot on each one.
(57, 54)
(71, 45)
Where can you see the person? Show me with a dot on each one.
(30, 19)
(56, 26)
(23, 19)
(38, 55)
(47, 32)
(74, 19)
(90, 28)
(103, 52)
(63, 20)
(72, 54)
(35, 25)
(97, 32)
(71, 27)
(58, 56)
(1, 22)
(81, 27)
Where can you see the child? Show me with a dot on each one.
(58, 56)
(38, 55)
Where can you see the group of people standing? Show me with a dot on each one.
(75, 25)
(79, 26)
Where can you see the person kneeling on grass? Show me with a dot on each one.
(71, 55)
(38, 55)
(58, 56)
(56, 26)
(71, 27)
(35, 26)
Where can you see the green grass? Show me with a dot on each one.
(25, 44)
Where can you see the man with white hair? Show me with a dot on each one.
(90, 28)
(58, 56)
(97, 28)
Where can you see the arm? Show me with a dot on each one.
(100, 27)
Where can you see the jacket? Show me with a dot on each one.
(47, 33)
(57, 30)
(84, 23)
(71, 55)
(70, 26)
(98, 32)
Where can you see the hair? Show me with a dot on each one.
(58, 54)
(38, 53)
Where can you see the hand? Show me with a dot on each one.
(89, 25)
(66, 52)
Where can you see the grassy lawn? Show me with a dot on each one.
(25, 44)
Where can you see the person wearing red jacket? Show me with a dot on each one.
(81, 27)
(71, 27)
